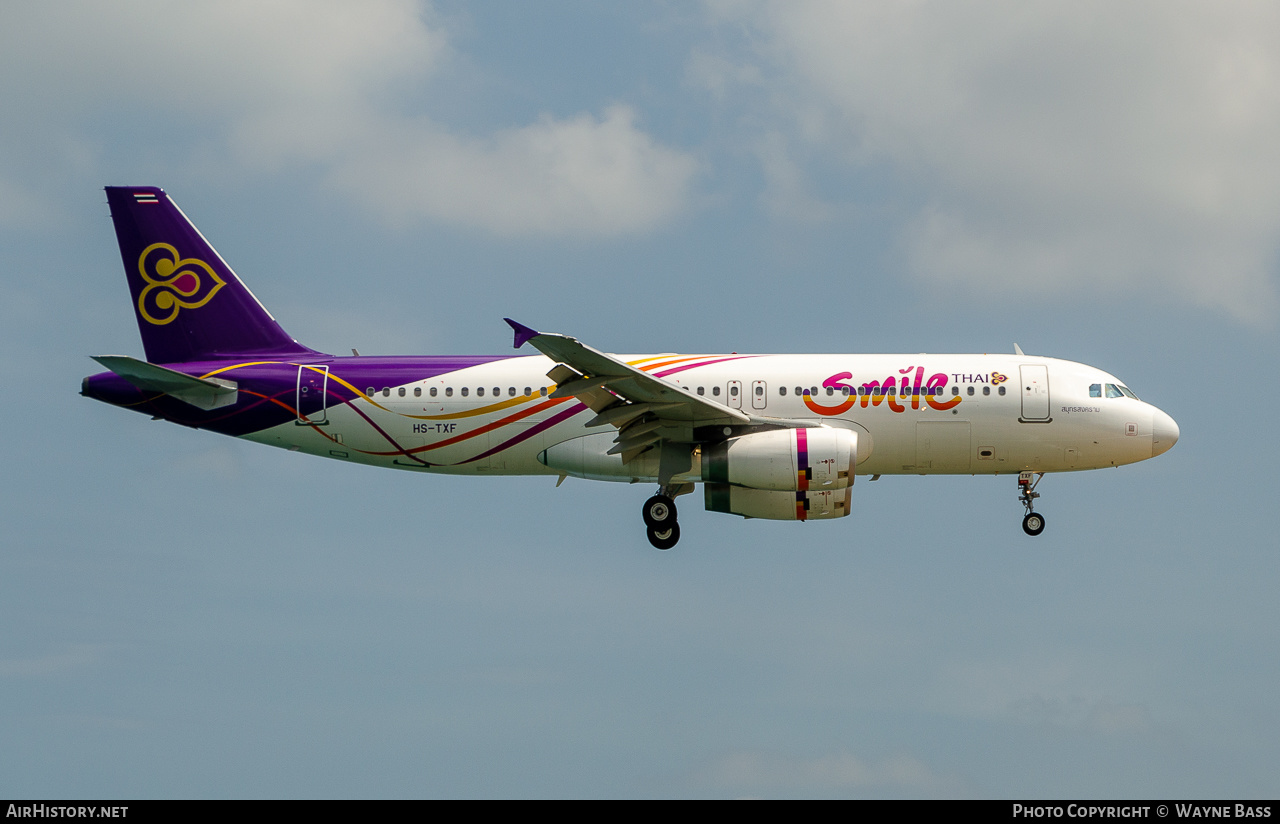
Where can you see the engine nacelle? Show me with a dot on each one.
(588, 457)
(792, 460)
(779, 506)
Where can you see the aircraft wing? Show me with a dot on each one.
(639, 391)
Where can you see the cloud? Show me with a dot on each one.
(333, 87)
(1126, 150)
(580, 176)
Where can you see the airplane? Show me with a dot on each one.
(771, 436)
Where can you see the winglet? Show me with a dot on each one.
(523, 333)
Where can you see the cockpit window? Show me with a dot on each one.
(1113, 391)
(1127, 392)
(1095, 390)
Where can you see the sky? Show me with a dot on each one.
(187, 615)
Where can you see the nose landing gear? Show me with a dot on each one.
(1033, 523)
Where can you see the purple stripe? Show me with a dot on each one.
(674, 370)
(384, 434)
(802, 457)
(528, 433)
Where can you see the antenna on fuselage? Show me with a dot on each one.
(1017, 350)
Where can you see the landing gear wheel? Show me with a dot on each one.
(659, 511)
(664, 537)
(1033, 524)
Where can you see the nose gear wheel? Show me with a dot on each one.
(1033, 523)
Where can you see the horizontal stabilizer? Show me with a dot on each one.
(205, 393)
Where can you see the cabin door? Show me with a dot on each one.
(312, 403)
(1035, 392)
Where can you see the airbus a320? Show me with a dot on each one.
(780, 437)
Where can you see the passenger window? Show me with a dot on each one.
(479, 391)
(782, 390)
(955, 390)
(702, 390)
(448, 391)
(799, 391)
(830, 391)
(844, 390)
(1002, 390)
(497, 391)
(970, 389)
(417, 391)
(542, 390)
(528, 391)
(511, 391)
(386, 391)
(733, 391)
(986, 390)
(464, 391)
(715, 390)
(433, 391)
(759, 391)
(814, 391)
(401, 392)
(1095, 390)
(371, 391)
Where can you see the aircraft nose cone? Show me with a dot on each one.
(1164, 433)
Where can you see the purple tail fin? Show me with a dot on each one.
(190, 305)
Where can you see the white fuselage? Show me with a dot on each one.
(945, 414)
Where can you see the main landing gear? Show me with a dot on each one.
(1033, 523)
(660, 521)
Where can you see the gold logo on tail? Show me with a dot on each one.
(173, 283)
